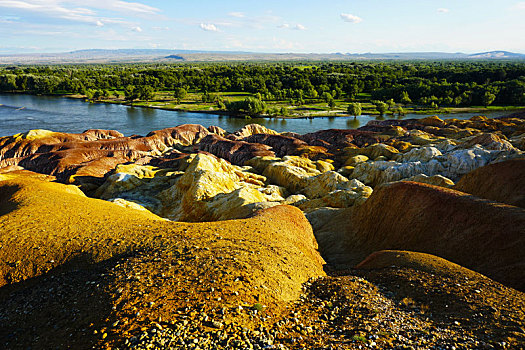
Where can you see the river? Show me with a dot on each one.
(20, 113)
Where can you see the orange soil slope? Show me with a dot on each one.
(503, 182)
(485, 236)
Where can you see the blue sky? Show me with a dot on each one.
(354, 26)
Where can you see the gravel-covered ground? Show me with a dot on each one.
(394, 308)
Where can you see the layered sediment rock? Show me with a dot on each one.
(430, 161)
(478, 234)
(315, 170)
(84, 158)
(236, 152)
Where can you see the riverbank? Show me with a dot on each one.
(23, 112)
(311, 110)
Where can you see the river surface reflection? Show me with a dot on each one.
(20, 113)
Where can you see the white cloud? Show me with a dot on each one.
(85, 13)
(237, 14)
(133, 7)
(137, 29)
(295, 27)
(99, 24)
(351, 18)
(443, 10)
(115, 5)
(520, 5)
(209, 27)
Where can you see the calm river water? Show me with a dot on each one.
(20, 113)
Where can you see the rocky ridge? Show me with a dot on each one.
(190, 173)
(244, 271)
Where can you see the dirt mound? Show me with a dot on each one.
(88, 262)
(502, 182)
(481, 235)
(417, 261)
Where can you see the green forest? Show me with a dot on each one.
(283, 88)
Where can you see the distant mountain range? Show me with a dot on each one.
(440, 55)
(159, 55)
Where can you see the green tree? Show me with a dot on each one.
(351, 91)
(90, 94)
(131, 93)
(488, 98)
(8, 82)
(221, 104)
(97, 94)
(249, 106)
(208, 98)
(146, 92)
(391, 105)
(354, 109)
(179, 94)
(399, 109)
(337, 93)
(326, 96)
(312, 93)
(380, 106)
(405, 99)
(448, 101)
(331, 103)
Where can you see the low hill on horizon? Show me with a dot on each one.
(166, 56)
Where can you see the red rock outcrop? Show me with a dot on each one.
(337, 138)
(97, 134)
(280, 145)
(236, 152)
(502, 182)
(507, 125)
(92, 153)
(484, 236)
(489, 141)
(217, 130)
(184, 135)
(249, 130)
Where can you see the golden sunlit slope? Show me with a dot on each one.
(49, 226)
